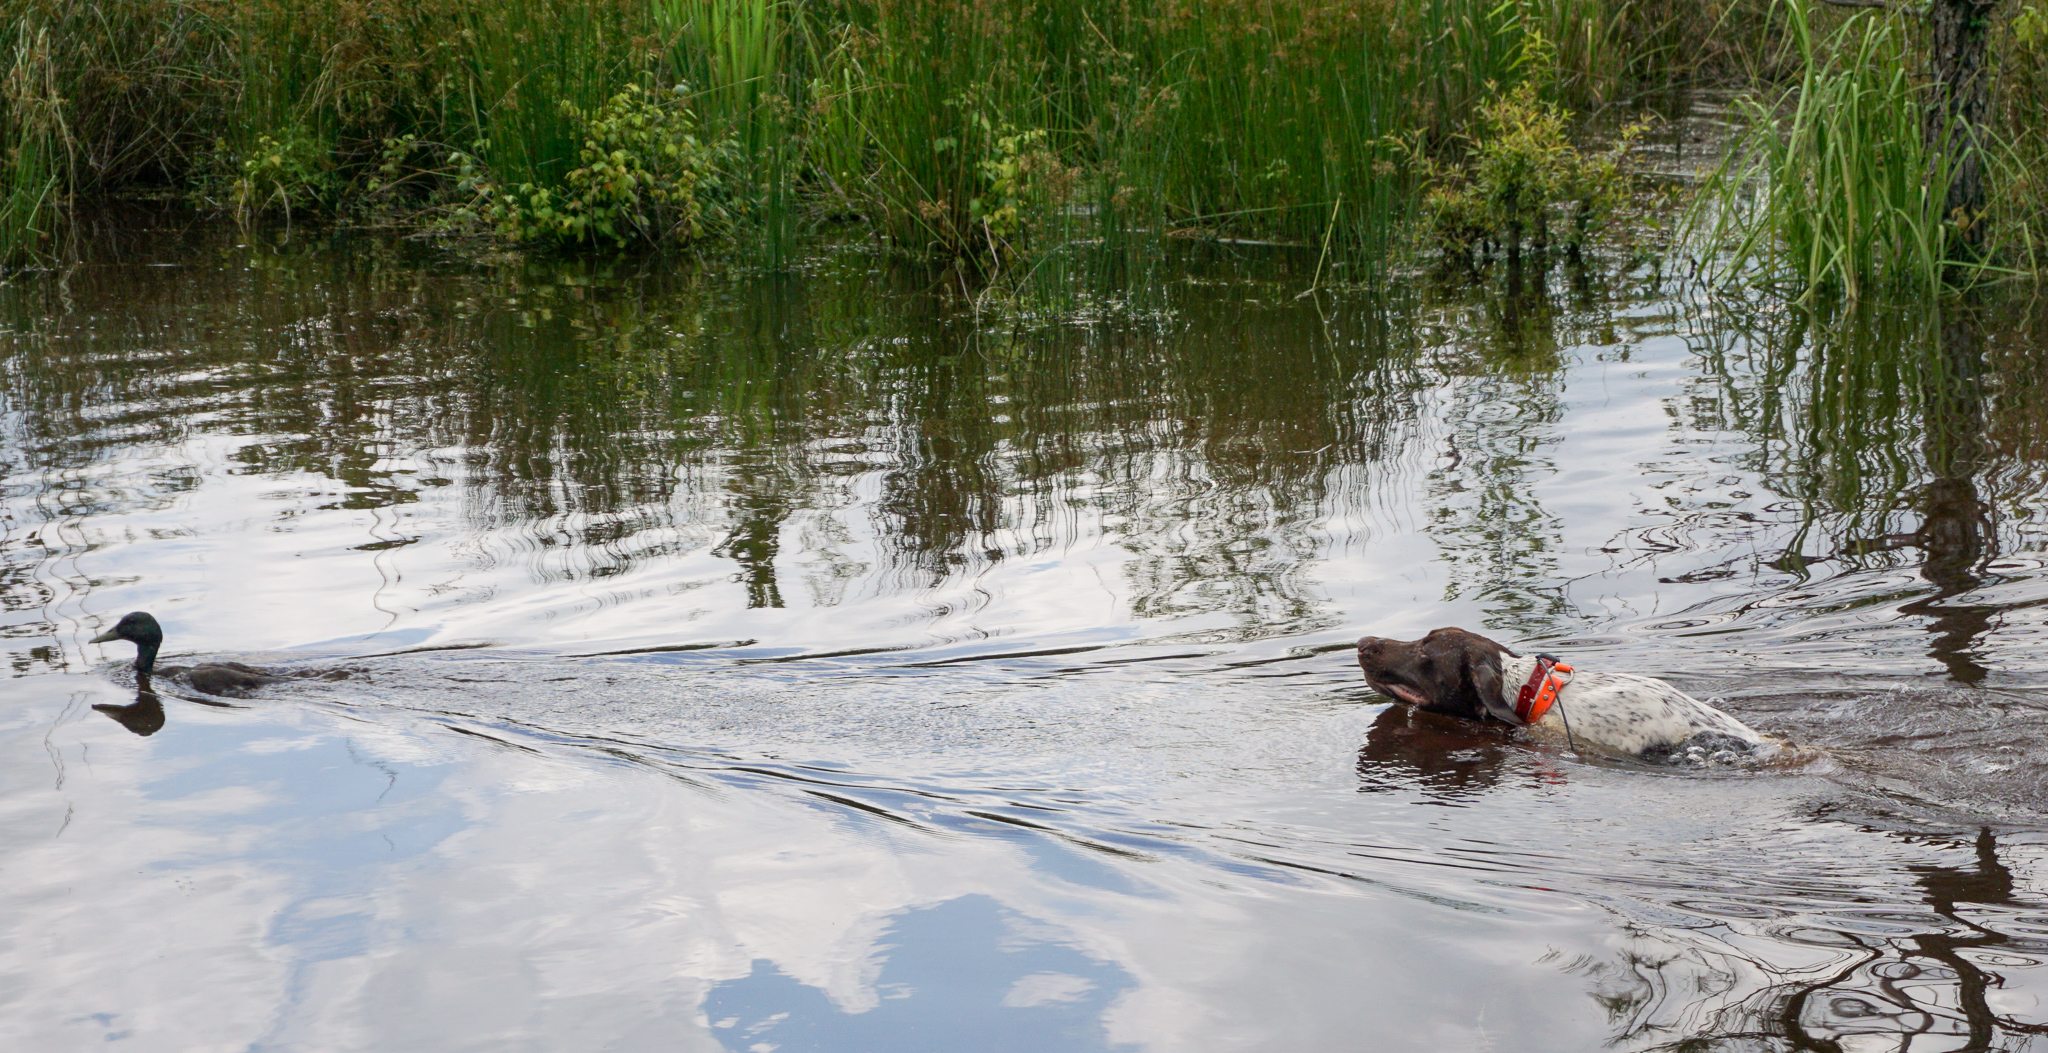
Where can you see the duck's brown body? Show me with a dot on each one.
(220, 678)
(213, 678)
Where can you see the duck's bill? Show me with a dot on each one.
(104, 637)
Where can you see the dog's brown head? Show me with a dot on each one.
(1449, 671)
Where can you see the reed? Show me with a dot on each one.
(1000, 130)
(33, 171)
(2020, 194)
(523, 70)
(931, 88)
(1832, 189)
(989, 119)
(740, 63)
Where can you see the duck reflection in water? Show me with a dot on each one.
(144, 716)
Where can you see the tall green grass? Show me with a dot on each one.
(33, 170)
(1833, 189)
(916, 97)
(992, 128)
(743, 64)
(519, 68)
(1279, 118)
(2019, 203)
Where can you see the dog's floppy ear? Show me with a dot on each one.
(1482, 664)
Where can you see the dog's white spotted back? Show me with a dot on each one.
(1624, 712)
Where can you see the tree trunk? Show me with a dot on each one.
(1955, 111)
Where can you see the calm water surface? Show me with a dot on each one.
(808, 662)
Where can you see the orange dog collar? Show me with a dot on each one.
(1536, 696)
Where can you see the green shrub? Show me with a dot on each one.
(1521, 174)
(280, 174)
(1025, 189)
(640, 166)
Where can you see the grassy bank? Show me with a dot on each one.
(1834, 189)
(993, 129)
(966, 126)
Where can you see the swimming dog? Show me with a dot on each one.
(1463, 674)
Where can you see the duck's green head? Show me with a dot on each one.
(140, 629)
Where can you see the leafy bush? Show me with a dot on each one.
(1026, 185)
(282, 173)
(1520, 174)
(641, 165)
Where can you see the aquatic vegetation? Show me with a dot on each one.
(977, 128)
(637, 181)
(1280, 120)
(743, 68)
(1831, 186)
(515, 80)
(1835, 188)
(35, 141)
(278, 175)
(2020, 195)
(1522, 172)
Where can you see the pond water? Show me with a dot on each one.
(833, 660)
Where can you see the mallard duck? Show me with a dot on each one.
(213, 678)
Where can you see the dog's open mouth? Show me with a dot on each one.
(1399, 691)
